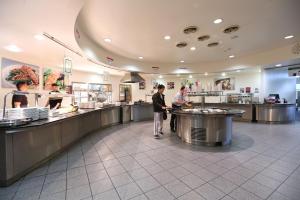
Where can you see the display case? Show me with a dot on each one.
(80, 92)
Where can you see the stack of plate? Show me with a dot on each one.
(22, 113)
(43, 113)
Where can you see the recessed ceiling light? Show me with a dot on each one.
(141, 57)
(13, 48)
(160, 76)
(39, 37)
(218, 21)
(231, 56)
(108, 40)
(205, 74)
(259, 70)
(278, 65)
(238, 70)
(223, 74)
(193, 48)
(288, 37)
(182, 61)
(190, 76)
(167, 37)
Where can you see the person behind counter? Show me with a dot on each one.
(20, 100)
(54, 102)
(159, 106)
(178, 102)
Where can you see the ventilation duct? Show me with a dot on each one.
(132, 77)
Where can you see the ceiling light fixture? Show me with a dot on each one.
(182, 61)
(190, 76)
(278, 65)
(288, 37)
(205, 74)
(231, 56)
(238, 70)
(13, 48)
(141, 57)
(178, 75)
(39, 37)
(108, 40)
(193, 48)
(223, 74)
(167, 37)
(218, 21)
(259, 70)
(160, 76)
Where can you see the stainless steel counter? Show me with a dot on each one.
(24, 148)
(275, 113)
(142, 112)
(205, 128)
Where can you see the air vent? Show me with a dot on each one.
(213, 44)
(190, 29)
(181, 44)
(155, 68)
(203, 38)
(231, 29)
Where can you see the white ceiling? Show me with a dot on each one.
(137, 27)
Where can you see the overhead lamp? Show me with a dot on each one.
(238, 70)
(259, 70)
(231, 56)
(108, 40)
(190, 76)
(160, 76)
(193, 48)
(13, 48)
(288, 37)
(278, 65)
(167, 37)
(182, 61)
(141, 57)
(205, 74)
(218, 21)
(39, 37)
(223, 74)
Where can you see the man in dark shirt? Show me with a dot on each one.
(20, 100)
(159, 106)
(54, 102)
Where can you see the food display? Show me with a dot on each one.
(51, 76)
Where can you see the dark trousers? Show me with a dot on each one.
(173, 117)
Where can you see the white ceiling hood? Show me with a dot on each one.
(132, 77)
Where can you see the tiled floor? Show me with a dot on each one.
(125, 162)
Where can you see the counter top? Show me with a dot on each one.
(215, 112)
(276, 104)
(58, 118)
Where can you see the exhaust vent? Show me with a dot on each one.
(231, 29)
(132, 77)
(181, 44)
(190, 29)
(213, 44)
(203, 38)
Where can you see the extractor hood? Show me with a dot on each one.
(132, 77)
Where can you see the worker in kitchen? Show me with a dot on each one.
(55, 99)
(178, 102)
(20, 100)
(159, 107)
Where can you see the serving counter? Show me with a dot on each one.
(209, 127)
(26, 147)
(142, 111)
(275, 113)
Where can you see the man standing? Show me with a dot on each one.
(54, 101)
(177, 103)
(159, 106)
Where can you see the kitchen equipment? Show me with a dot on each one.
(14, 122)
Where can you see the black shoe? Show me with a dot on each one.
(173, 130)
(156, 136)
(161, 132)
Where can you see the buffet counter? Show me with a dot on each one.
(142, 111)
(210, 127)
(25, 147)
(248, 116)
(275, 113)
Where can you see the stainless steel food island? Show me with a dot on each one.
(275, 113)
(209, 127)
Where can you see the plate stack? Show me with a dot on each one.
(43, 113)
(21, 113)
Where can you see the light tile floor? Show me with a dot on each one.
(126, 162)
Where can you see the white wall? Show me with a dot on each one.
(277, 81)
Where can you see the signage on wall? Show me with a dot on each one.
(67, 65)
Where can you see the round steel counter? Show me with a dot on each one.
(200, 127)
